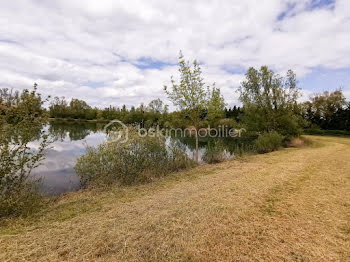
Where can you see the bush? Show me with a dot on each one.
(22, 200)
(268, 142)
(18, 191)
(140, 159)
(20, 123)
(215, 152)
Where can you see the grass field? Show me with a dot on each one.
(289, 205)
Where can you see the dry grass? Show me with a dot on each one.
(297, 142)
(290, 205)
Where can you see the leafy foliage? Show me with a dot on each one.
(215, 105)
(215, 152)
(140, 159)
(20, 123)
(268, 142)
(190, 96)
(270, 102)
(328, 111)
(234, 112)
(76, 109)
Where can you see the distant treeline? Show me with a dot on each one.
(329, 111)
(155, 113)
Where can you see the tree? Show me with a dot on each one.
(27, 104)
(78, 108)
(270, 102)
(21, 123)
(8, 97)
(59, 108)
(326, 110)
(157, 112)
(215, 105)
(341, 119)
(156, 106)
(190, 95)
(234, 113)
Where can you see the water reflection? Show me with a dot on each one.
(57, 170)
(74, 130)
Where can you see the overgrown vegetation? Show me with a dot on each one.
(270, 102)
(215, 152)
(329, 111)
(269, 107)
(259, 208)
(268, 142)
(139, 159)
(20, 122)
(190, 96)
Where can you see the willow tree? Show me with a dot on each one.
(191, 95)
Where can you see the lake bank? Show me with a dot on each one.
(289, 204)
(70, 141)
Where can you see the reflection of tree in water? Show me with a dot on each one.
(30, 132)
(190, 141)
(74, 130)
(233, 145)
(239, 145)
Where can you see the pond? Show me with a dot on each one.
(70, 140)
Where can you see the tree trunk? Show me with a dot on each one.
(197, 146)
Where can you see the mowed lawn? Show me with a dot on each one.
(289, 205)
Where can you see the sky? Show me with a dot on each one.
(110, 52)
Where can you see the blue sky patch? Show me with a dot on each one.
(321, 79)
(235, 70)
(286, 12)
(148, 63)
(315, 4)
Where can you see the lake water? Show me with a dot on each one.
(57, 169)
(71, 138)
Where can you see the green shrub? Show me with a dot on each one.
(18, 191)
(215, 152)
(20, 123)
(268, 142)
(140, 159)
(22, 200)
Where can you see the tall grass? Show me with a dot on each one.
(22, 200)
(215, 152)
(140, 159)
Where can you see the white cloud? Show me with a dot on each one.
(89, 49)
